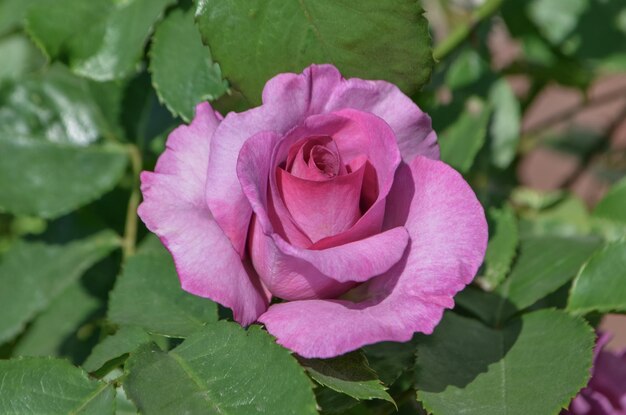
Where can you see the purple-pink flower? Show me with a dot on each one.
(329, 198)
(606, 392)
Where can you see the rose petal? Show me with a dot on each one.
(356, 134)
(174, 208)
(322, 208)
(287, 99)
(609, 377)
(448, 233)
(321, 89)
(307, 166)
(288, 277)
(356, 261)
(298, 278)
(300, 95)
(412, 127)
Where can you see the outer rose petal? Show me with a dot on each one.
(321, 88)
(412, 126)
(280, 264)
(448, 232)
(300, 95)
(174, 208)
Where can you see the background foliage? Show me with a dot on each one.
(93, 317)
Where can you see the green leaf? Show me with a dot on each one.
(462, 140)
(568, 217)
(12, 13)
(148, 295)
(370, 39)
(53, 106)
(390, 359)
(556, 19)
(49, 161)
(502, 247)
(150, 244)
(183, 72)
(19, 56)
(32, 274)
(331, 402)
(535, 199)
(49, 179)
(533, 365)
(112, 48)
(505, 124)
(349, 374)
(465, 69)
(53, 23)
(612, 206)
(143, 117)
(486, 306)
(51, 386)
(102, 39)
(127, 339)
(123, 405)
(544, 264)
(220, 369)
(57, 331)
(601, 48)
(600, 284)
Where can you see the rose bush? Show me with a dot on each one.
(329, 198)
(606, 392)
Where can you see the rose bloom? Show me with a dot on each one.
(606, 392)
(324, 213)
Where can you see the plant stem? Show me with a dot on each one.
(462, 32)
(130, 229)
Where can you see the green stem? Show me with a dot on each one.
(462, 32)
(130, 229)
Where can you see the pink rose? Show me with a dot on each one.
(329, 197)
(606, 392)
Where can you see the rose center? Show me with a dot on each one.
(325, 160)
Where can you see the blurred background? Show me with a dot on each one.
(565, 63)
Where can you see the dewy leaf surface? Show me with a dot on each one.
(183, 72)
(601, 284)
(32, 274)
(222, 369)
(148, 294)
(37, 385)
(533, 365)
(51, 159)
(369, 39)
(349, 374)
(48, 179)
